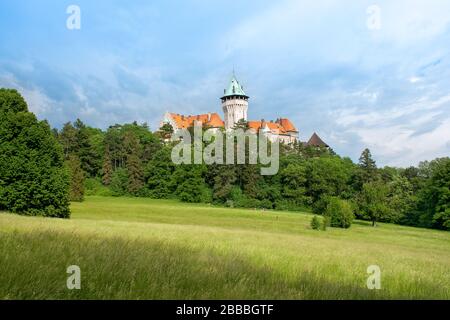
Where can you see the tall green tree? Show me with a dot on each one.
(158, 173)
(190, 183)
(368, 167)
(400, 198)
(33, 178)
(90, 159)
(435, 197)
(133, 164)
(372, 202)
(224, 182)
(77, 178)
(68, 139)
(107, 169)
(329, 175)
(294, 180)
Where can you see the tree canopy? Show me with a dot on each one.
(33, 178)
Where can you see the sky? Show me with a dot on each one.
(359, 73)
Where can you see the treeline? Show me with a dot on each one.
(130, 160)
(42, 169)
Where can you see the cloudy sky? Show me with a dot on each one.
(359, 75)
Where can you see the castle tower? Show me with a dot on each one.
(234, 104)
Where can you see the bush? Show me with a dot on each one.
(194, 190)
(325, 223)
(119, 182)
(229, 204)
(246, 202)
(339, 213)
(315, 223)
(265, 204)
(287, 205)
(94, 187)
(320, 206)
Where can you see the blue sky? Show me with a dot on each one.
(316, 62)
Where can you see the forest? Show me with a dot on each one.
(43, 168)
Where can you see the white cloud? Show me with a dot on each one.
(411, 21)
(278, 27)
(415, 79)
(37, 101)
(403, 135)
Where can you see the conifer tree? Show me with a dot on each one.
(368, 169)
(33, 179)
(107, 168)
(77, 177)
(133, 164)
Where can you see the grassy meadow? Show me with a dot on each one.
(133, 248)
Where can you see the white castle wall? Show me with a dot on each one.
(234, 109)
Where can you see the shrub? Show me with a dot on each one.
(320, 206)
(245, 202)
(94, 187)
(325, 223)
(229, 204)
(287, 205)
(315, 223)
(265, 204)
(339, 213)
(119, 182)
(194, 190)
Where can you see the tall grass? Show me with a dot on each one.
(150, 249)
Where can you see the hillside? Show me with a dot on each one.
(132, 248)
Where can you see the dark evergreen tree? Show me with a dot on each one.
(224, 182)
(90, 159)
(77, 178)
(368, 167)
(133, 164)
(107, 168)
(190, 183)
(33, 178)
(68, 139)
(158, 174)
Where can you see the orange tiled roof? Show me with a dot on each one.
(287, 124)
(281, 126)
(211, 119)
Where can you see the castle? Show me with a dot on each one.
(235, 108)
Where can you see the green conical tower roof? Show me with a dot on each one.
(234, 89)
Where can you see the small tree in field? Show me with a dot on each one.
(315, 223)
(372, 202)
(340, 213)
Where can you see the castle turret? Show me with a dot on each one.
(234, 104)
